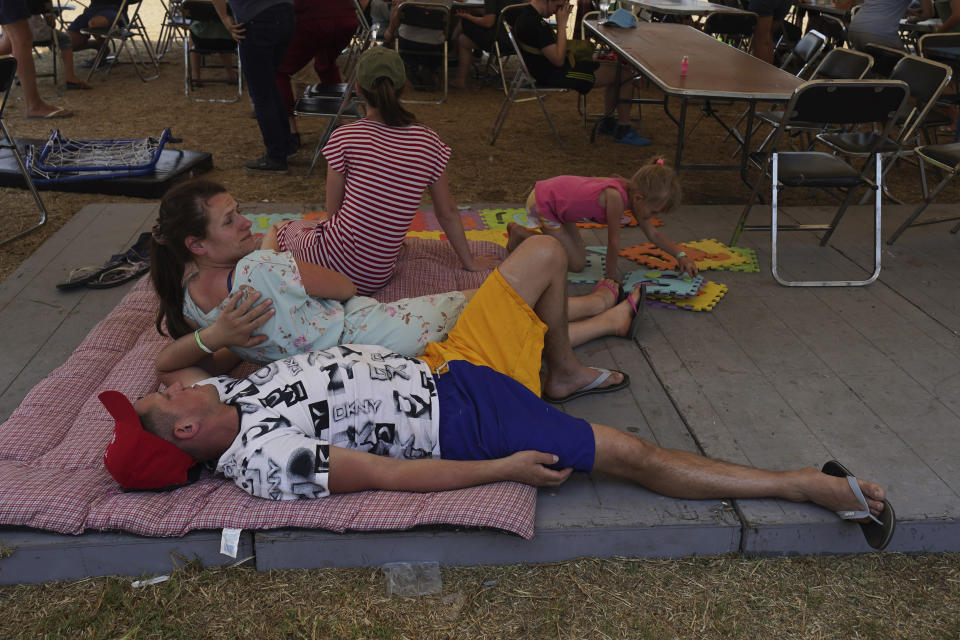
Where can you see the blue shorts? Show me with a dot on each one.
(485, 415)
(13, 10)
(83, 20)
(776, 8)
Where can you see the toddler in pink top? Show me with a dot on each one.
(556, 205)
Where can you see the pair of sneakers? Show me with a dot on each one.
(622, 133)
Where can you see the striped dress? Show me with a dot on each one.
(386, 169)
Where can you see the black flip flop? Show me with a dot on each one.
(634, 331)
(79, 277)
(878, 534)
(118, 275)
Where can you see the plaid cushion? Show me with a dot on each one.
(51, 449)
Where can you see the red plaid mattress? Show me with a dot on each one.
(51, 449)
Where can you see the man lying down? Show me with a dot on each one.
(356, 417)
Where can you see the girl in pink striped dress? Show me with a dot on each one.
(554, 207)
(377, 170)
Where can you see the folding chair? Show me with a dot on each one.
(172, 28)
(523, 82)
(501, 45)
(926, 79)
(838, 64)
(127, 28)
(833, 28)
(833, 102)
(736, 29)
(927, 46)
(45, 36)
(204, 10)
(945, 157)
(806, 52)
(884, 59)
(430, 15)
(8, 71)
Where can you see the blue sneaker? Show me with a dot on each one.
(633, 138)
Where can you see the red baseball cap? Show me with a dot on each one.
(136, 458)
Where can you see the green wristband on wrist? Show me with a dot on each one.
(680, 254)
(196, 336)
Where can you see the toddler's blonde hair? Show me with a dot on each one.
(658, 183)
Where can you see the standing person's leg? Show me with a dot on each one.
(13, 19)
(266, 40)
(616, 96)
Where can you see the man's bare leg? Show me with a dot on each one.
(537, 271)
(21, 41)
(680, 474)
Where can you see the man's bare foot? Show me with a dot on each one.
(562, 385)
(517, 234)
(835, 494)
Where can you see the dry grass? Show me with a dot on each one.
(873, 596)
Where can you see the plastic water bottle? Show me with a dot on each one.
(684, 63)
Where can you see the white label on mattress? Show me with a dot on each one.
(229, 540)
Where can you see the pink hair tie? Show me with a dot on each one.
(659, 161)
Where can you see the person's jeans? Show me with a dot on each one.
(267, 37)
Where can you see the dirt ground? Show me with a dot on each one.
(121, 106)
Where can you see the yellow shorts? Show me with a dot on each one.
(497, 329)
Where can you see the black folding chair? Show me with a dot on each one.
(8, 71)
(807, 50)
(44, 30)
(736, 29)
(428, 15)
(884, 59)
(945, 157)
(927, 80)
(126, 30)
(203, 47)
(838, 64)
(848, 103)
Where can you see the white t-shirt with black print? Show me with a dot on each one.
(352, 396)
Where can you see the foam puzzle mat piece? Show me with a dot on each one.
(752, 264)
(472, 220)
(490, 235)
(593, 272)
(714, 255)
(664, 283)
(650, 255)
(498, 218)
(706, 300)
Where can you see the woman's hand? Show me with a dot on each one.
(235, 325)
(530, 467)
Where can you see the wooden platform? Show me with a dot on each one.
(774, 377)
